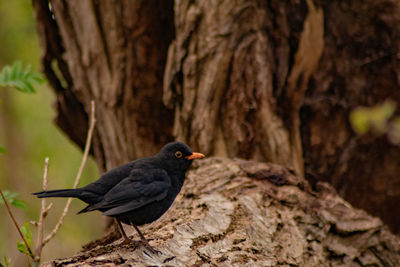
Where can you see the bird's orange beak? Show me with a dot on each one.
(195, 155)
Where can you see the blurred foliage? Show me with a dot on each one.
(29, 135)
(10, 197)
(6, 262)
(378, 119)
(26, 231)
(19, 78)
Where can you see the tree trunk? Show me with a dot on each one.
(243, 213)
(265, 80)
(113, 53)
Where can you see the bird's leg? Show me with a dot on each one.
(144, 240)
(127, 240)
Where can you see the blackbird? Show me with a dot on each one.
(138, 192)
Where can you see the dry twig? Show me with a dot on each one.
(78, 176)
(16, 226)
(43, 214)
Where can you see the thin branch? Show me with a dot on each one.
(78, 176)
(16, 225)
(43, 214)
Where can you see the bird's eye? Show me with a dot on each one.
(178, 154)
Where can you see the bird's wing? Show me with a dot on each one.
(109, 179)
(142, 187)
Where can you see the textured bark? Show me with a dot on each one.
(220, 78)
(360, 66)
(113, 53)
(243, 213)
(265, 80)
(276, 81)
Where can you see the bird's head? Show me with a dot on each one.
(178, 156)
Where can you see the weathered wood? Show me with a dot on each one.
(219, 80)
(359, 66)
(244, 213)
(265, 80)
(115, 54)
(276, 80)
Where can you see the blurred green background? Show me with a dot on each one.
(28, 133)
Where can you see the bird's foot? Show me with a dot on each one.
(150, 248)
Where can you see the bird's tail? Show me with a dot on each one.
(59, 193)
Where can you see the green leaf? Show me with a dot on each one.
(18, 203)
(28, 237)
(24, 87)
(25, 73)
(16, 70)
(10, 197)
(359, 120)
(19, 78)
(5, 75)
(374, 118)
(21, 247)
(380, 115)
(36, 77)
(6, 262)
(3, 150)
(26, 231)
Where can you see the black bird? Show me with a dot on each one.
(138, 192)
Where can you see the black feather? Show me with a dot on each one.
(138, 192)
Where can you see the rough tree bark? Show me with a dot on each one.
(243, 213)
(244, 80)
(113, 53)
(265, 80)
